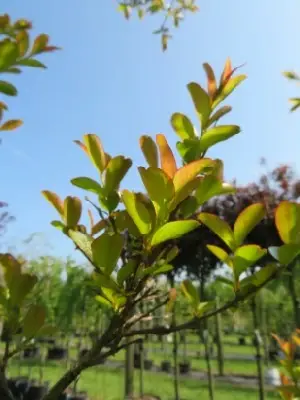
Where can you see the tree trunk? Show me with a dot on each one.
(219, 338)
(293, 293)
(129, 372)
(260, 371)
(208, 365)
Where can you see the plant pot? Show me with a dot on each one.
(78, 396)
(148, 364)
(63, 396)
(57, 353)
(31, 352)
(23, 385)
(242, 341)
(36, 392)
(273, 355)
(184, 367)
(166, 366)
(12, 385)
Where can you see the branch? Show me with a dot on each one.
(193, 323)
(139, 317)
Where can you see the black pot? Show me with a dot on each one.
(63, 396)
(31, 352)
(57, 353)
(36, 392)
(23, 385)
(12, 386)
(166, 366)
(242, 341)
(273, 354)
(78, 396)
(148, 364)
(184, 367)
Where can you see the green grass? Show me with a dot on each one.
(107, 384)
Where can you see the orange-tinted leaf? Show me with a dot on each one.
(149, 150)
(227, 72)
(230, 86)
(211, 80)
(167, 159)
(81, 145)
(99, 226)
(287, 220)
(55, 200)
(22, 39)
(11, 125)
(95, 151)
(72, 211)
(39, 44)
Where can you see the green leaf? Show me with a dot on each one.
(219, 114)
(72, 211)
(58, 225)
(40, 43)
(8, 54)
(103, 301)
(189, 150)
(201, 102)
(95, 151)
(221, 254)
(295, 102)
(115, 171)
(203, 307)
(31, 62)
(106, 251)
(188, 207)
(11, 125)
(149, 150)
(33, 320)
(21, 287)
(8, 89)
(245, 257)
(83, 242)
(287, 220)
(105, 281)
(156, 270)
(22, 39)
(224, 280)
(230, 86)
(219, 227)
(183, 126)
(47, 330)
(247, 220)
(87, 184)
(190, 292)
(286, 253)
(55, 200)
(173, 230)
(218, 134)
(173, 253)
(211, 186)
(125, 271)
(264, 274)
(137, 211)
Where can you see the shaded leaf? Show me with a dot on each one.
(219, 114)
(210, 186)
(173, 230)
(183, 126)
(261, 276)
(190, 292)
(125, 271)
(33, 320)
(83, 242)
(8, 54)
(149, 150)
(247, 220)
(286, 253)
(31, 62)
(72, 211)
(58, 224)
(167, 159)
(115, 171)
(189, 150)
(219, 227)
(8, 89)
(99, 226)
(106, 251)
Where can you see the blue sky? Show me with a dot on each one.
(111, 78)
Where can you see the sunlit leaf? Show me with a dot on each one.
(33, 320)
(106, 251)
(218, 134)
(99, 226)
(201, 102)
(137, 211)
(149, 150)
(247, 220)
(8, 54)
(221, 254)
(295, 103)
(95, 151)
(190, 292)
(55, 200)
(210, 186)
(287, 220)
(72, 211)
(173, 230)
(11, 125)
(167, 159)
(39, 44)
(188, 207)
(245, 257)
(189, 150)
(83, 242)
(58, 225)
(115, 171)
(219, 227)
(103, 301)
(22, 39)
(183, 126)
(211, 80)
(227, 72)
(219, 114)
(105, 281)
(230, 86)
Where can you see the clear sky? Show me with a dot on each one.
(111, 78)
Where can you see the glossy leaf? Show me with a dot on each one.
(72, 211)
(125, 271)
(106, 251)
(115, 171)
(11, 125)
(95, 151)
(55, 200)
(245, 257)
(230, 86)
(103, 301)
(216, 135)
(190, 292)
(8, 89)
(287, 220)
(33, 320)
(183, 126)
(211, 80)
(201, 102)
(173, 230)
(221, 254)
(219, 227)
(87, 184)
(210, 186)
(149, 150)
(137, 211)
(167, 159)
(286, 253)
(189, 150)
(247, 220)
